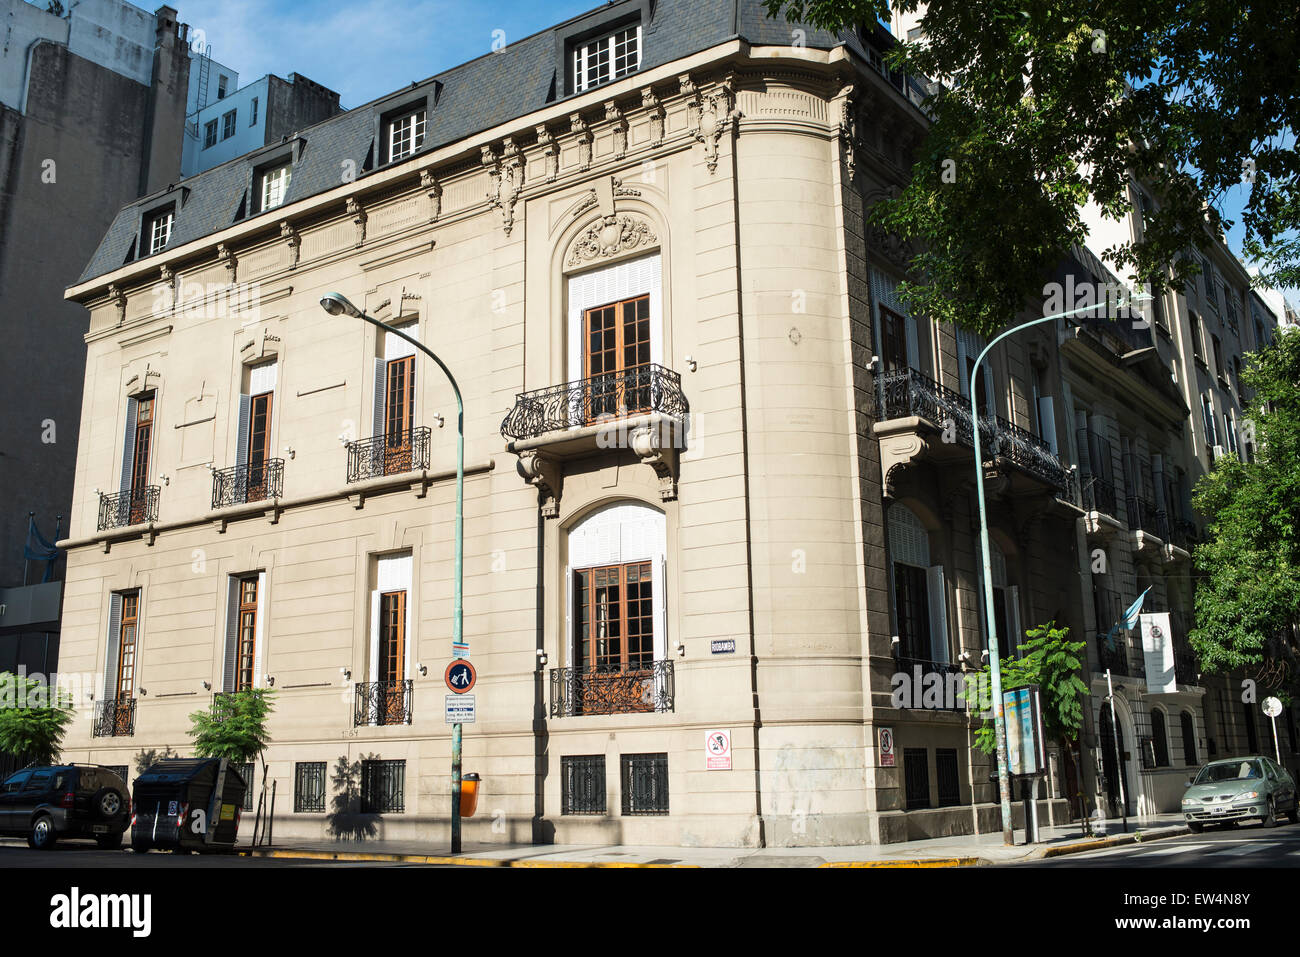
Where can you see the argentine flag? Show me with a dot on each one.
(1128, 620)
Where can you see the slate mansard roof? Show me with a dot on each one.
(523, 77)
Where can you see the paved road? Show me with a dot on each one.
(76, 854)
(1251, 845)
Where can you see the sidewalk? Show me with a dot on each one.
(963, 851)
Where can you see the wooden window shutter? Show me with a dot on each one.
(938, 613)
(232, 635)
(241, 430)
(128, 447)
(381, 395)
(114, 645)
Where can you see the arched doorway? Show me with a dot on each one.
(1108, 766)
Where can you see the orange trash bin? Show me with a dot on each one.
(468, 794)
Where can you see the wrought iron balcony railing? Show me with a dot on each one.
(1183, 534)
(383, 702)
(1187, 668)
(576, 691)
(949, 696)
(248, 483)
(114, 718)
(389, 454)
(132, 507)
(1144, 515)
(1030, 453)
(1099, 495)
(640, 389)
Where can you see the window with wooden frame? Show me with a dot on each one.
(124, 686)
(246, 634)
(912, 606)
(142, 442)
(399, 414)
(615, 618)
(893, 341)
(1198, 338)
(615, 346)
(259, 440)
(392, 658)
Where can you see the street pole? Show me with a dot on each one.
(458, 571)
(1119, 755)
(1277, 752)
(995, 666)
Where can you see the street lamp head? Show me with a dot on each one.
(337, 304)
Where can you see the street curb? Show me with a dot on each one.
(914, 862)
(1138, 837)
(364, 856)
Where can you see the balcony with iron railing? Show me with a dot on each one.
(916, 415)
(114, 718)
(1187, 667)
(642, 408)
(134, 506)
(614, 690)
(382, 703)
(947, 692)
(252, 482)
(393, 453)
(1113, 655)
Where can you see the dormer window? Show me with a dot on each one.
(274, 185)
(158, 229)
(607, 58)
(405, 135)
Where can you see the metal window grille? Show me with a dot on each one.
(309, 786)
(945, 766)
(120, 770)
(247, 771)
(582, 783)
(645, 783)
(383, 787)
(916, 774)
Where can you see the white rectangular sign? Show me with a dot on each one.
(460, 709)
(1158, 653)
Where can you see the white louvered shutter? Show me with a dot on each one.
(241, 432)
(230, 664)
(381, 390)
(114, 645)
(1013, 616)
(128, 445)
(259, 631)
(1047, 422)
(938, 613)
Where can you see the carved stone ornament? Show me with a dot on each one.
(118, 299)
(651, 104)
(610, 235)
(578, 127)
(712, 115)
(165, 292)
(506, 179)
(550, 152)
(848, 131)
(663, 459)
(547, 476)
(618, 123)
(292, 240)
(226, 256)
(433, 189)
(358, 214)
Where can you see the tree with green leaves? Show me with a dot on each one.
(33, 718)
(1045, 106)
(1248, 588)
(235, 728)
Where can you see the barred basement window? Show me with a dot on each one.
(308, 786)
(582, 784)
(120, 770)
(645, 783)
(945, 766)
(383, 787)
(916, 772)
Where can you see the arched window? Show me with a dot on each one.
(920, 609)
(1189, 740)
(1159, 738)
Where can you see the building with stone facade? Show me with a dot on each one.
(719, 484)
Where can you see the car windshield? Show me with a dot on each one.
(1229, 771)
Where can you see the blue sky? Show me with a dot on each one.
(363, 48)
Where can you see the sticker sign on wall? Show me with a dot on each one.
(886, 747)
(717, 750)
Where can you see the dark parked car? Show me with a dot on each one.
(48, 802)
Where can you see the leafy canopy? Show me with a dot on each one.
(235, 728)
(33, 718)
(1047, 105)
(1050, 660)
(1248, 592)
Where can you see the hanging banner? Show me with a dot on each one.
(1158, 653)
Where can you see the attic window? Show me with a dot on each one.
(158, 229)
(273, 184)
(606, 58)
(405, 134)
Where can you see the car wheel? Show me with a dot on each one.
(1270, 819)
(42, 836)
(139, 847)
(1293, 815)
(108, 803)
(109, 842)
(1196, 827)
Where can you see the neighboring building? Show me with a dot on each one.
(209, 80)
(92, 106)
(261, 114)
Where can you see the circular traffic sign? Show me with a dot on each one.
(460, 676)
(1272, 707)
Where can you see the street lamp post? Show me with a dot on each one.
(336, 304)
(995, 667)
